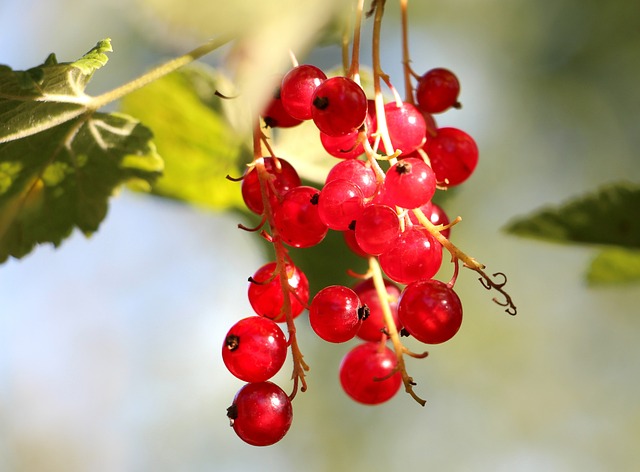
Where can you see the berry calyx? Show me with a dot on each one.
(373, 327)
(261, 413)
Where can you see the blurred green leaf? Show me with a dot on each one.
(62, 178)
(198, 145)
(608, 216)
(615, 266)
(46, 95)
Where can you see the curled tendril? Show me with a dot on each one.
(488, 283)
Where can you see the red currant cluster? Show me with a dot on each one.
(386, 215)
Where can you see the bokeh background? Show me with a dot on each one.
(109, 346)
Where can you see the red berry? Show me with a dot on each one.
(254, 349)
(436, 215)
(438, 91)
(275, 116)
(349, 237)
(407, 128)
(409, 184)
(335, 314)
(339, 106)
(377, 229)
(297, 219)
(339, 204)
(261, 413)
(453, 155)
(371, 329)
(265, 292)
(430, 311)
(415, 255)
(297, 89)
(362, 372)
(357, 172)
(284, 177)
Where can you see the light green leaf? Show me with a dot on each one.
(198, 145)
(61, 178)
(615, 266)
(609, 216)
(46, 95)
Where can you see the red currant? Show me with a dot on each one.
(339, 106)
(275, 116)
(371, 329)
(377, 228)
(430, 311)
(357, 172)
(254, 349)
(409, 184)
(453, 155)
(438, 91)
(367, 373)
(297, 219)
(297, 89)
(415, 255)
(261, 413)
(406, 125)
(284, 177)
(340, 203)
(265, 292)
(335, 314)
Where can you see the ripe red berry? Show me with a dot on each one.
(339, 106)
(284, 177)
(261, 413)
(357, 172)
(453, 155)
(265, 292)
(297, 89)
(297, 219)
(436, 215)
(275, 116)
(362, 372)
(415, 255)
(438, 91)
(340, 203)
(335, 314)
(430, 311)
(409, 184)
(254, 349)
(377, 229)
(406, 125)
(371, 329)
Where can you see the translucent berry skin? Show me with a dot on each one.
(371, 329)
(349, 237)
(261, 413)
(345, 146)
(438, 90)
(285, 177)
(357, 172)
(340, 203)
(339, 106)
(254, 349)
(415, 255)
(377, 229)
(453, 155)
(410, 183)
(430, 311)
(297, 219)
(406, 125)
(275, 116)
(297, 89)
(335, 314)
(265, 293)
(362, 369)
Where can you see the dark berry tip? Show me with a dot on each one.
(321, 103)
(232, 414)
(403, 167)
(232, 342)
(315, 199)
(363, 312)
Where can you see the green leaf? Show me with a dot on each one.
(61, 178)
(198, 145)
(608, 216)
(615, 266)
(47, 95)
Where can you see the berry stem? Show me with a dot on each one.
(469, 262)
(299, 366)
(398, 347)
(406, 61)
(354, 68)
